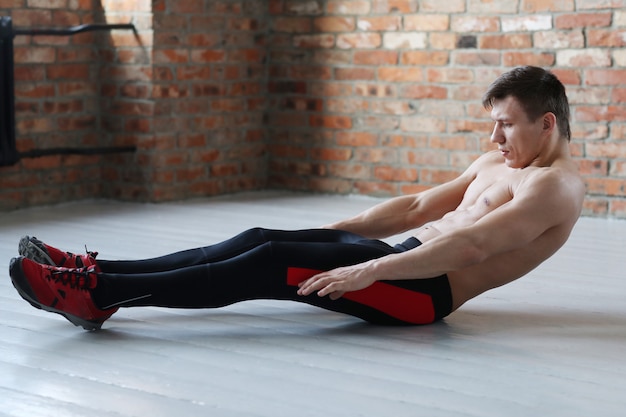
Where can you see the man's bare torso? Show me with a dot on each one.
(495, 185)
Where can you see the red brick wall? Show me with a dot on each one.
(383, 96)
(378, 97)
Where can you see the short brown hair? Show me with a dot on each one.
(537, 90)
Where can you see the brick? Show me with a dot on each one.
(348, 7)
(527, 23)
(477, 58)
(330, 121)
(376, 155)
(400, 74)
(374, 90)
(392, 107)
(605, 76)
(375, 57)
(450, 75)
(65, 18)
(302, 104)
(170, 56)
(475, 24)
(359, 40)
(600, 113)
(34, 55)
(600, 4)
(31, 18)
(613, 150)
(326, 154)
(378, 123)
(330, 89)
(37, 125)
(582, 20)
(427, 157)
(559, 39)
(589, 95)
(437, 176)
(568, 76)
(44, 162)
(310, 72)
(404, 40)
(388, 173)
(443, 40)
(435, 58)
(292, 24)
(208, 56)
(79, 54)
(394, 6)
(455, 142)
(349, 171)
(492, 7)
(12, 4)
(534, 6)
(334, 24)
(34, 90)
(379, 23)
(333, 56)
(127, 6)
(595, 167)
(423, 124)
(470, 126)
(68, 106)
(606, 38)
(606, 186)
(356, 139)
(427, 22)
(514, 59)
(511, 41)
(314, 41)
(424, 92)
(449, 6)
(354, 73)
(307, 7)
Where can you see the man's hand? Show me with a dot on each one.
(338, 281)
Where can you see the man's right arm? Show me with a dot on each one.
(403, 213)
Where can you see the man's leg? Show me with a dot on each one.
(227, 249)
(272, 271)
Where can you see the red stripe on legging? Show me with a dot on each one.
(402, 304)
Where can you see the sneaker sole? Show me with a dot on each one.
(15, 269)
(31, 250)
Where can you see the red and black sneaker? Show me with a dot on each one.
(64, 291)
(35, 250)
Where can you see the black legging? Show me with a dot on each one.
(267, 264)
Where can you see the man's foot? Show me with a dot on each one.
(59, 290)
(35, 250)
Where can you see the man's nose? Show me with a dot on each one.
(496, 135)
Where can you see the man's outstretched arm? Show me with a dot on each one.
(403, 213)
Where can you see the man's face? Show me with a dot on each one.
(519, 140)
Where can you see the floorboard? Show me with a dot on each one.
(551, 343)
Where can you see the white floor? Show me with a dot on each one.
(551, 344)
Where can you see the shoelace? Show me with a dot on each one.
(79, 278)
(77, 258)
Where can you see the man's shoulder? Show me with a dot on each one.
(560, 184)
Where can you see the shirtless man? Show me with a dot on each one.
(508, 212)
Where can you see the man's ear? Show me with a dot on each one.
(549, 122)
